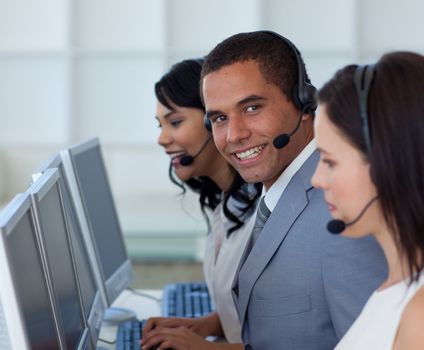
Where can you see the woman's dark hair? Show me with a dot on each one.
(180, 86)
(396, 120)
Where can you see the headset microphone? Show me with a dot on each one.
(188, 159)
(338, 226)
(282, 140)
(363, 77)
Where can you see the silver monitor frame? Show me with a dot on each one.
(123, 275)
(38, 191)
(12, 315)
(85, 226)
(99, 305)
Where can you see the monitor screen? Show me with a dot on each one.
(53, 229)
(90, 293)
(30, 281)
(98, 203)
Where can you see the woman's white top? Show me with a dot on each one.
(377, 325)
(222, 255)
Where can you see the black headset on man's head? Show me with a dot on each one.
(303, 91)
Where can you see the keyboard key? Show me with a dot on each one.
(129, 335)
(186, 300)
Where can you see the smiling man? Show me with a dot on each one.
(297, 286)
(247, 113)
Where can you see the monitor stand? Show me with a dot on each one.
(116, 315)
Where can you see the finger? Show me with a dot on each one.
(166, 345)
(174, 322)
(164, 342)
(151, 323)
(152, 341)
(156, 330)
(156, 336)
(147, 336)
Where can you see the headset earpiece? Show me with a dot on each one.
(304, 98)
(362, 79)
(303, 91)
(208, 124)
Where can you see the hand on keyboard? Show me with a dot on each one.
(180, 338)
(196, 325)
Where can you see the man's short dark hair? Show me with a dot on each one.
(276, 59)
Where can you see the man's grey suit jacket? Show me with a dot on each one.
(301, 287)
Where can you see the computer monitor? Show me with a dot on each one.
(98, 204)
(92, 288)
(27, 317)
(57, 251)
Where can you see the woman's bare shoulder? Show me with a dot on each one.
(411, 333)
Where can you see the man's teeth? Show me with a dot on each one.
(250, 153)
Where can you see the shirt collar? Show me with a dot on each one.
(275, 191)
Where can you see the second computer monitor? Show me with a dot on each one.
(98, 203)
(27, 316)
(57, 251)
(91, 289)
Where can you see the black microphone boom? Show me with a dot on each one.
(188, 159)
(283, 139)
(337, 226)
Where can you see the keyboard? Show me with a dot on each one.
(190, 299)
(129, 335)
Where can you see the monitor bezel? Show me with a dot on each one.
(13, 314)
(38, 190)
(123, 276)
(99, 304)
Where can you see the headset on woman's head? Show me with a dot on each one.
(362, 79)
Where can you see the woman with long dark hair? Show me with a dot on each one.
(370, 134)
(225, 199)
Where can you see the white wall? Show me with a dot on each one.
(72, 69)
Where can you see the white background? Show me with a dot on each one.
(74, 69)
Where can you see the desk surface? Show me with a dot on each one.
(143, 307)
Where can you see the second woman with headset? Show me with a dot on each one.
(197, 164)
(370, 133)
